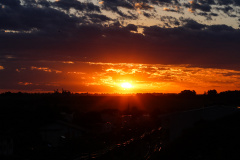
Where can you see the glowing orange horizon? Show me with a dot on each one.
(92, 77)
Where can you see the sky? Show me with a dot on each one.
(95, 46)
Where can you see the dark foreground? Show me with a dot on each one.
(82, 127)
(206, 141)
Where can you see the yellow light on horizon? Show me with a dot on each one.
(126, 85)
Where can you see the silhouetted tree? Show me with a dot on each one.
(188, 93)
(56, 91)
(65, 92)
(212, 92)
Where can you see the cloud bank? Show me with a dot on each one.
(198, 33)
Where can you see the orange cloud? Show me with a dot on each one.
(166, 78)
(108, 77)
(19, 70)
(24, 83)
(68, 62)
(45, 69)
(191, 10)
(76, 73)
(174, 9)
(143, 6)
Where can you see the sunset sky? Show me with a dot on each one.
(119, 46)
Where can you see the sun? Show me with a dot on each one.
(126, 85)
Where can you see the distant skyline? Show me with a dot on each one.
(95, 46)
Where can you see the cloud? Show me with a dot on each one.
(147, 14)
(131, 27)
(98, 18)
(228, 2)
(193, 43)
(119, 3)
(25, 83)
(225, 2)
(11, 3)
(70, 38)
(68, 62)
(191, 24)
(193, 5)
(45, 69)
(68, 4)
(170, 10)
(20, 69)
(144, 77)
(228, 10)
(222, 28)
(162, 1)
(49, 33)
(27, 18)
(170, 21)
(213, 14)
(143, 6)
(207, 2)
(113, 5)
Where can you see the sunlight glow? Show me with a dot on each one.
(126, 85)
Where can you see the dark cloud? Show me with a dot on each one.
(146, 14)
(132, 15)
(131, 27)
(162, 1)
(120, 3)
(11, 3)
(98, 18)
(170, 21)
(57, 35)
(44, 3)
(29, 2)
(27, 18)
(232, 15)
(214, 45)
(68, 4)
(237, 2)
(203, 14)
(191, 24)
(221, 28)
(214, 14)
(112, 5)
(225, 2)
(208, 16)
(228, 2)
(193, 5)
(193, 43)
(207, 1)
(226, 9)
(37, 36)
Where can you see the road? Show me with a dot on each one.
(141, 147)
